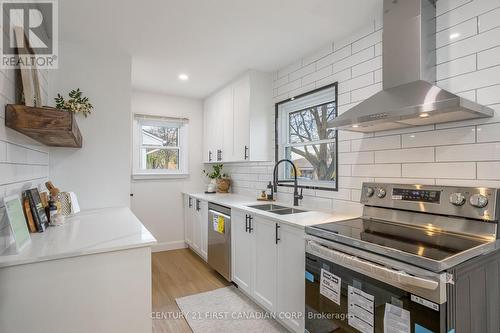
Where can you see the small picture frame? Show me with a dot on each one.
(17, 222)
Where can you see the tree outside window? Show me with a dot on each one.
(305, 138)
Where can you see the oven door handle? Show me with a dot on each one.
(385, 274)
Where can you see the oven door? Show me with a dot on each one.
(345, 293)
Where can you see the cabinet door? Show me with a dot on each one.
(188, 220)
(196, 243)
(241, 111)
(242, 253)
(204, 229)
(265, 262)
(290, 279)
(226, 122)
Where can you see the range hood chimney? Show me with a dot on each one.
(409, 96)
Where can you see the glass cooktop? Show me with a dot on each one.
(420, 241)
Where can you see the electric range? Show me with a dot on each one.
(405, 255)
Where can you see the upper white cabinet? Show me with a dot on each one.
(238, 120)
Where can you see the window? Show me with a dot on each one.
(159, 147)
(303, 136)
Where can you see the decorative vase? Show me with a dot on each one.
(212, 186)
(223, 185)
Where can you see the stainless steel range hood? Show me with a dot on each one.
(409, 96)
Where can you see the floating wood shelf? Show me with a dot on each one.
(50, 126)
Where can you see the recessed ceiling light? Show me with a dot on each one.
(355, 126)
(183, 77)
(454, 35)
(423, 115)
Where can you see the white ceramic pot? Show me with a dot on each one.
(212, 187)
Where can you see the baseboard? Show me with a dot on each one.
(167, 246)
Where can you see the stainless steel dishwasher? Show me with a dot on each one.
(219, 239)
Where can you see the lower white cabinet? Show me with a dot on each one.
(242, 251)
(268, 261)
(196, 225)
(265, 262)
(290, 287)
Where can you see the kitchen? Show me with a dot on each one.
(379, 120)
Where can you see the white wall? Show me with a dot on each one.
(464, 153)
(158, 203)
(99, 172)
(23, 162)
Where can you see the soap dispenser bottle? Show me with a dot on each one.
(270, 192)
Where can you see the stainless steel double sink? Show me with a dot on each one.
(277, 209)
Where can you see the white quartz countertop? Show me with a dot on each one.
(239, 202)
(88, 232)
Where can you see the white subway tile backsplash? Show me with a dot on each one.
(367, 41)
(488, 132)
(334, 57)
(463, 13)
(418, 181)
(440, 137)
(443, 6)
(289, 69)
(353, 182)
(477, 43)
(356, 157)
(457, 33)
(488, 58)
(289, 87)
(488, 95)
(489, 20)
(302, 72)
(367, 66)
(481, 78)
(456, 67)
(321, 53)
(405, 155)
(488, 170)
(378, 143)
(361, 94)
(440, 170)
(317, 75)
(376, 170)
(468, 182)
(356, 83)
(355, 59)
(474, 152)
(3, 151)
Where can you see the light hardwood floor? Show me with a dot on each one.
(176, 274)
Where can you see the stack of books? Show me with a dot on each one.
(34, 211)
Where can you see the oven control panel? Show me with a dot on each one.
(472, 202)
(416, 195)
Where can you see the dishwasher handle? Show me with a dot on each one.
(381, 272)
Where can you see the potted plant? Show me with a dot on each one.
(219, 181)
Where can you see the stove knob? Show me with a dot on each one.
(381, 193)
(457, 199)
(369, 192)
(478, 200)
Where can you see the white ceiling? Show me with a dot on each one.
(211, 40)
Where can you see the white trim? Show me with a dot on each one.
(168, 246)
(157, 175)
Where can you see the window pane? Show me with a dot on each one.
(161, 136)
(311, 124)
(160, 159)
(313, 162)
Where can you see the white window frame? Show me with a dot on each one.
(283, 138)
(182, 124)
